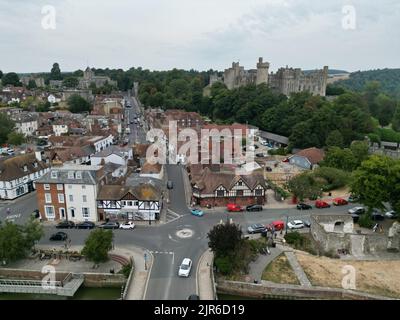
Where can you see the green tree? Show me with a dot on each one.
(15, 138)
(360, 151)
(97, 245)
(386, 108)
(33, 231)
(12, 242)
(1, 74)
(374, 180)
(224, 239)
(11, 79)
(32, 84)
(77, 104)
(304, 186)
(396, 119)
(70, 82)
(334, 139)
(6, 126)
(55, 73)
(340, 158)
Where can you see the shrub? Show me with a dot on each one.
(126, 270)
(224, 265)
(366, 221)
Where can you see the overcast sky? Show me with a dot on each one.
(198, 34)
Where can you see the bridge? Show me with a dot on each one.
(66, 287)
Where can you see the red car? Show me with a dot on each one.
(278, 225)
(232, 207)
(339, 202)
(321, 204)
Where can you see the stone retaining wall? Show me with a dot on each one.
(269, 290)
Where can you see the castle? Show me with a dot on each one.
(89, 77)
(285, 80)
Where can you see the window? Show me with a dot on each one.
(25, 168)
(220, 193)
(113, 204)
(49, 210)
(136, 204)
(70, 186)
(85, 212)
(46, 186)
(60, 198)
(239, 193)
(259, 192)
(240, 183)
(78, 175)
(47, 197)
(129, 203)
(54, 174)
(59, 187)
(71, 175)
(84, 198)
(83, 186)
(71, 198)
(72, 212)
(35, 165)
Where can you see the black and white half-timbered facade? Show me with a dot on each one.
(124, 203)
(220, 188)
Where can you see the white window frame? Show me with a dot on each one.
(46, 186)
(46, 212)
(61, 198)
(59, 187)
(47, 197)
(87, 214)
(71, 198)
(84, 198)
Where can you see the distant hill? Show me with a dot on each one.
(388, 78)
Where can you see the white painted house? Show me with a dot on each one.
(113, 154)
(100, 143)
(60, 129)
(18, 174)
(27, 124)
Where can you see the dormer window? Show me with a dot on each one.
(79, 175)
(54, 174)
(71, 175)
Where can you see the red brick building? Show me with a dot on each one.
(51, 199)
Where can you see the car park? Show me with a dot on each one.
(109, 225)
(357, 210)
(233, 207)
(85, 225)
(295, 224)
(255, 228)
(322, 204)
(339, 202)
(254, 207)
(65, 225)
(197, 212)
(303, 206)
(129, 225)
(185, 267)
(59, 236)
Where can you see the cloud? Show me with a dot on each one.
(158, 34)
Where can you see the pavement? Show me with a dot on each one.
(205, 282)
(256, 268)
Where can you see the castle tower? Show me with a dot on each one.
(262, 71)
(88, 74)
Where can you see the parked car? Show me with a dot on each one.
(85, 225)
(59, 236)
(129, 225)
(295, 224)
(353, 198)
(197, 212)
(185, 267)
(377, 216)
(170, 184)
(357, 210)
(65, 225)
(254, 207)
(340, 202)
(307, 223)
(109, 225)
(303, 206)
(391, 214)
(260, 155)
(276, 225)
(255, 228)
(233, 207)
(322, 204)
(193, 297)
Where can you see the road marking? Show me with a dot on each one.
(168, 286)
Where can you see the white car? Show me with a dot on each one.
(295, 224)
(127, 225)
(185, 267)
(391, 214)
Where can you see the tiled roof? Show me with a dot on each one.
(13, 168)
(314, 155)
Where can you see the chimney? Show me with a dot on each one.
(38, 155)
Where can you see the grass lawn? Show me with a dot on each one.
(280, 271)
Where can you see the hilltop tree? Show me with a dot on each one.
(334, 139)
(70, 82)
(97, 245)
(32, 84)
(55, 73)
(396, 119)
(1, 74)
(11, 79)
(304, 186)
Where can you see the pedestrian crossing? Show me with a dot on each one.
(171, 216)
